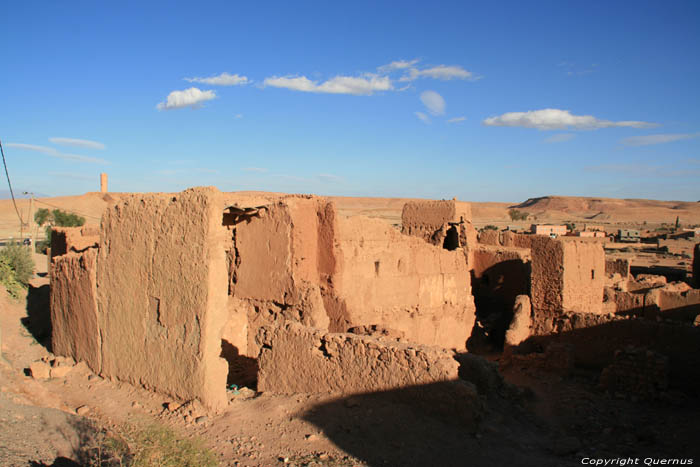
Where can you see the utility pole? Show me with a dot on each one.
(29, 220)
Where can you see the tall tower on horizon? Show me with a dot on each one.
(103, 182)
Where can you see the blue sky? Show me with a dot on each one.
(486, 101)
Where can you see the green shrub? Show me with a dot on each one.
(8, 278)
(16, 268)
(489, 227)
(517, 215)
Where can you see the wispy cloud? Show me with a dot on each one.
(423, 117)
(224, 79)
(643, 170)
(364, 85)
(54, 153)
(254, 169)
(329, 178)
(456, 120)
(560, 138)
(397, 65)
(433, 102)
(441, 72)
(556, 119)
(80, 143)
(192, 97)
(237, 116)
(657, 139)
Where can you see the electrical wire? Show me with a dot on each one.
(9, 183)
(68, 210)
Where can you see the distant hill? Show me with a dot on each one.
(611, 209)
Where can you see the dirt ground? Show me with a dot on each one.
(546, 419)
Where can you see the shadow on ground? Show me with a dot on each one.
(38, 320)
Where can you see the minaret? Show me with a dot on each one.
(103, 182)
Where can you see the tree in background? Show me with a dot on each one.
(55, 218)
(517, 215)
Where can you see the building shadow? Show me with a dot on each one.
(38, 319)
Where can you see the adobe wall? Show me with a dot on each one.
(76, 239)
(517, 240)
(568, 275)
(279, 263)
(400, 282)
(489, 237)
(429, 219)
(584, 276)
(75, 332)
(619, 266)
(162, 293)
(500, 274)
(344, 363)
(696, 265)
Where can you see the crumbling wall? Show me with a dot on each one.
(584, 276)
(344, 363)
(502, 272)
(76, 239)
(431, 221)
(297, 359)
(279, 261)
(518, 240)
(696, 265)
(619, 266)
(489, 237)
(568, 275)
(401, 282)
(162, 293)
(75, 332)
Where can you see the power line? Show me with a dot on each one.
(21, 222)
(69, 210)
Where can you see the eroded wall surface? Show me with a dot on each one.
(345, 363)
(584, 276)
(74, 328)
(386, 278)
(162, 293)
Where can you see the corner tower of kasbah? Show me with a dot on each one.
(188, 293)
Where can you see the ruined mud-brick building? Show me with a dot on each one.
(183, 293)
(177, 291)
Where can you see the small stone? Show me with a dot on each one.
(60, 371)
(82, 410)
(323, 456)
(39, 370)
(311, 437)
(135, 405)
(201, 419)
(93, 377)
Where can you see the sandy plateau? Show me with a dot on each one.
(382, 333)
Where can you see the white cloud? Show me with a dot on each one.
(192, 97)
(238, 116)
(443, 72)
(357, 86)
(456, 119)
(556, 119)
(560, 138)
(224, 79)
(423, 117)
(81, 143)
(397, 65)
(433, 102)
(657, 139)
(53, 153)
(254, 169)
